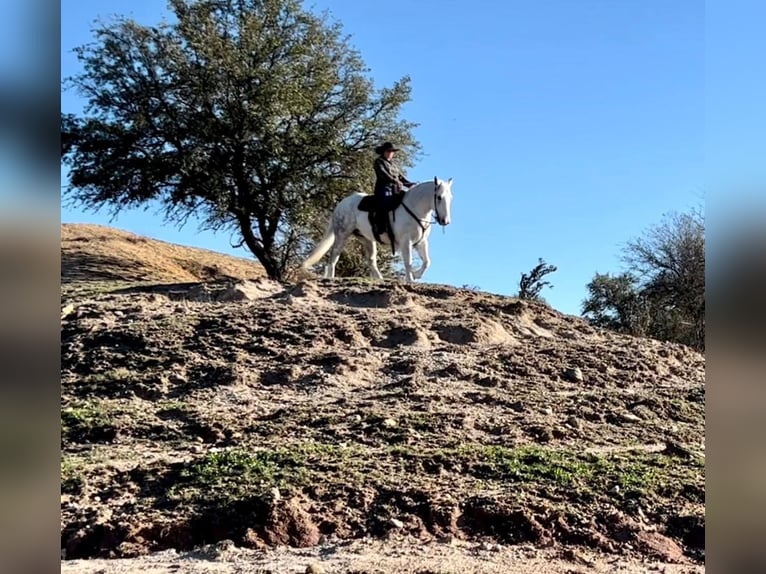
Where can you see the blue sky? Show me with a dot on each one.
(569, 127)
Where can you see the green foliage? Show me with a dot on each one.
(533, 464)
(617, 303)
(237, 473)
(637, 474)
(662, 295)
(72, 478)
(532, 283)
(255, 116)
(86, 422)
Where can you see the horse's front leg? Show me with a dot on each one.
(422, 249)
(371, 250)
(407, 260)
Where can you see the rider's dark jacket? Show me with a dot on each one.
(388, 179)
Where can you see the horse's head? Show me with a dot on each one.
(442, 200)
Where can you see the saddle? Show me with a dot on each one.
(379, 222)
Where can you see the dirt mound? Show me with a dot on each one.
(98, 253)
(271, 415)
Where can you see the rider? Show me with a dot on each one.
(389, 181)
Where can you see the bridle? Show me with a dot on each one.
(422, 223)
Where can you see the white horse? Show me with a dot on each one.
(411, 227)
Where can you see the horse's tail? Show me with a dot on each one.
(321, 248)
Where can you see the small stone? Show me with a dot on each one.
(389, 423)
(224, 545)
(396, 523)
(575, 375)
(548, 411)
(573, 422)
(67, 310)
(579, 558)
(631, 418)
(177, 378)
(315, 568)
(272, 495)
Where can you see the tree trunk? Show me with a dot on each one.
(263, 250)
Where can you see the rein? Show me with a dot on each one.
(422, 223)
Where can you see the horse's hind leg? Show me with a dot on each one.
(371, 250)
(335, 251)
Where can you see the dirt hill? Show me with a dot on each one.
(325, 414)
(96, 252)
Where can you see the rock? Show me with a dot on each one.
(661, 547)
(574, 374)
(67, 310)
(630, 418)
(177, 379)
(644, 412)
(396, 523)
(315, 568)
(389, 423)
(574, 556)
(573, 422)
(224, 545)
(272, 495)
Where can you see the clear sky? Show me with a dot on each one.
(569, 127)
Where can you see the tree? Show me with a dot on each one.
(532, 283)
(663, 293)
(617, 303)
(670, 261)
(253, 115)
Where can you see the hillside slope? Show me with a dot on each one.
(315, 413)
(97, 252)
